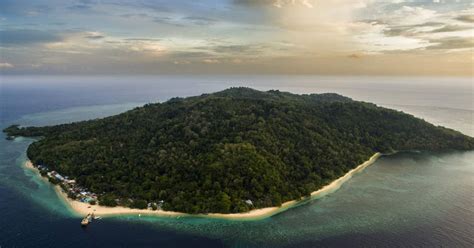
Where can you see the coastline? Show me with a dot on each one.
(83, 209)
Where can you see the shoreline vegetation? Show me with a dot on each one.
(83, 209)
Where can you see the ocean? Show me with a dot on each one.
(419, 199)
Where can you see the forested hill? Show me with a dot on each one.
(211, 153)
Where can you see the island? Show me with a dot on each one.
(228, 152)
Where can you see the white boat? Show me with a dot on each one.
(84, 222)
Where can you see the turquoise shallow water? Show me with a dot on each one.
(408, 199)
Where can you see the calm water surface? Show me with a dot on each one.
(409, 199)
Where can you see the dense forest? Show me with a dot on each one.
(212, 153)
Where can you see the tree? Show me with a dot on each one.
(107, 200)
(223, 203)
(140, 204)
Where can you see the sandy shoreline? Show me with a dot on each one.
(83, 209)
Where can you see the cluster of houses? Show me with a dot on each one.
(69, 185)
(82, 194)
(155, 205)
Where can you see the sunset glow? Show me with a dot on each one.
(346, 37)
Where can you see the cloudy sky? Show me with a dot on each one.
(325, 37)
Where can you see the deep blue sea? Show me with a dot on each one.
(416, 199)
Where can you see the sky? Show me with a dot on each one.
(320, 37)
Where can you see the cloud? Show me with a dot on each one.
(237, 49)
(211, 61)
(81, 5)
(135, 15)
(189, 55)
(225, 49)
(451, 28)
(198, 20)
(283, 3)
(142, 39)
(254, 2)
(142, 48)
(94, 35)
(151, 36)
(466, 18)
(408, 15)
(355, 56)
(417, 28)
(27, 37)
(184, 21)
(5, 65)
(168, 21)
(154, 5)
(24, 8)
(277, 3)
(452, 43)
(424, 28)
(183, 62)
(305, 4)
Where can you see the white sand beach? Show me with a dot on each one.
(83, 209)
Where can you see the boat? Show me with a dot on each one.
(86, 220)
(97, 218)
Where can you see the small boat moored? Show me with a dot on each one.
(86, 220)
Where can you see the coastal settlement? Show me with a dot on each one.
(81, 194)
